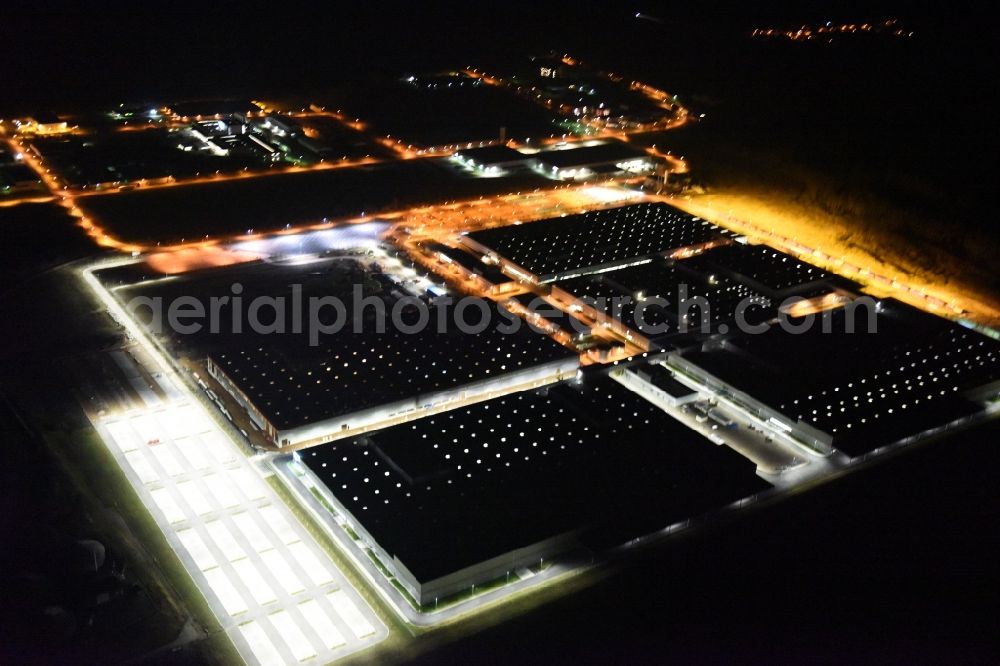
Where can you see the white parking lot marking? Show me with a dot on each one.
(223, 538)
(281, 570)
(277, 523)
(352, 616)
(194, 418)
(230, 598)
(321, 624)
(239, 561)
(254, 581)
(317, 573)
(170, 423)
(249, 484)
(294, 638)
(194, 497)
(261, 646)
(221, 491)
(171, 465)
(168, 505)
(198, 549)
(147, 428)
(142, 467)
(190, 449)
(246, 524)
(217, 446)
(124, 436)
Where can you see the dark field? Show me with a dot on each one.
(44, 235)
(892, 137)
(120, 157)
(336, 141)
(444, 115)
(107, 155)
(270, 202)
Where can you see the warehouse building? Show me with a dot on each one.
(899, 377)
(494, 160)
(585, 162)
(662, 384)
(452, 501)
(563, 247)
(301, 395)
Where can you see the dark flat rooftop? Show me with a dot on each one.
(550, 313)
(457, 488)
(760, 266)
(688, 293)
(469, 262)
(294, 383)
(865, 389)
(557, 246)
(663, 379)
(589, 155)
(490, 155)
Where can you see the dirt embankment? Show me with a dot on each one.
(902, 224)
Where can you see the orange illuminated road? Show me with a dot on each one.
(406, 151)
(677, 164)
(166, 124)
(676, 116)
(26, 199)
(449, 219)
(32, 160)
(402, 151)
(443, 222)
(618, 342)
(314, 110)
(65, 199)
(170, 181)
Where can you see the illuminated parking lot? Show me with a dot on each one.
(275, 592)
